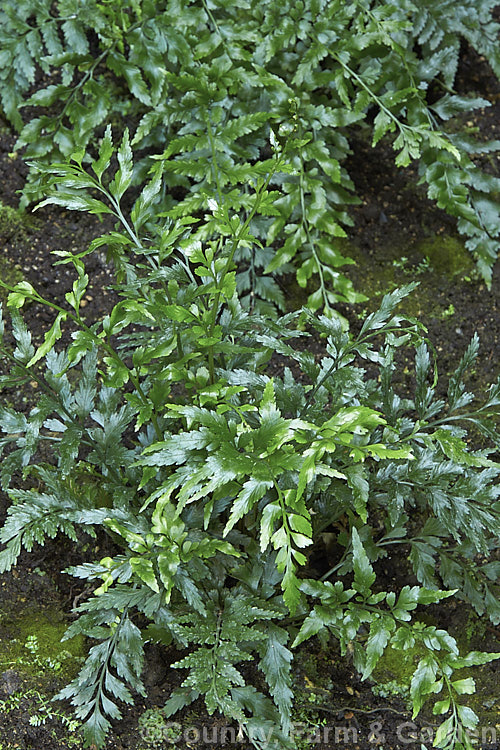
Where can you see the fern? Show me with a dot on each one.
(438, 28)
(112, 664)
(205, 87)
(214, 481)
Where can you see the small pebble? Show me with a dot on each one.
(10, 682)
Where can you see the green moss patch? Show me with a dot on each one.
(446, 255)
(14, 221)
(10, 274)
(30, 644)
(434, 262)
(13, 224)
(396, 667)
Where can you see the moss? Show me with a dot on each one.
(10, 274)
(447, 255)
(31, 645)
(377, 273)
(396, 667)
(13, 221)
(34, 663)
(13, 224)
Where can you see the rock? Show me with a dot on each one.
(10, 682)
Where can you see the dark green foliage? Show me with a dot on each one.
(206, 85)
(162, 428)
(160, 424)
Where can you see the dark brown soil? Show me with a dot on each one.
(392, 221)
